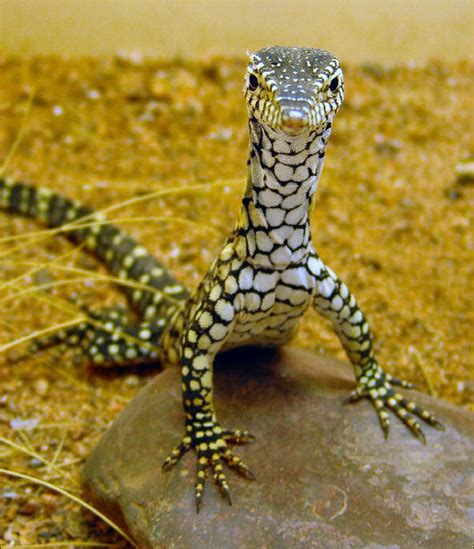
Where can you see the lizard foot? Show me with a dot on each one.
(107, 338)
(377, 386)
(209, 440)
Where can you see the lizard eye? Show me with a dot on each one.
(253, 82)
(334, 84)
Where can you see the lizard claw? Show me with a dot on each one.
(376, 385)
(399, 382)
(175, 455)
(238, 437)
(357, 394)
(209, 441)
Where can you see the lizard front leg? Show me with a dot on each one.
(333, 300)
(202, 339)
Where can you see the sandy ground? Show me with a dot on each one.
(391, 220)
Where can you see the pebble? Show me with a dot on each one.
(28, 508)
(52, 532)
(9, 535)
(35, 463)
(41, 386)
(132, 380)
(453, 194)
(27, 424)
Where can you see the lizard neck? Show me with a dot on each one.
(282, 177)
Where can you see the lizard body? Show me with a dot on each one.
(265, 277)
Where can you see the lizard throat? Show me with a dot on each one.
(283, 173)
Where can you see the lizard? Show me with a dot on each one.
(266, 275)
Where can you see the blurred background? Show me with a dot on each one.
(357, 30)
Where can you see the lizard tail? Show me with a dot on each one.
(159, 292)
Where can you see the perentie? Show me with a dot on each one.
(265, 277)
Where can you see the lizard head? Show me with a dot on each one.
(293, 90)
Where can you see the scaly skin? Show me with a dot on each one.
(265, 277)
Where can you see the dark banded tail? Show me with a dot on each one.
(123, 256)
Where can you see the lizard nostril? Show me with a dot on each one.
(293, 121)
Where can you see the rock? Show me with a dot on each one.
(325, 475)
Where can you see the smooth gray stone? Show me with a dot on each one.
(326, 477)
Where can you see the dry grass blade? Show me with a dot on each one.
(68, 323)
(70, 496)
(71, 543)
(424, 371)
(158, 194)
(67, 254)
(22, 433)
(62, 304)
(98, 216)
(114, 221)
(5, 324)
(68, 307)
(51, 465)
(39, 333)
(32, 453)
(89, 275)
(55, 284)
(19, 135)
